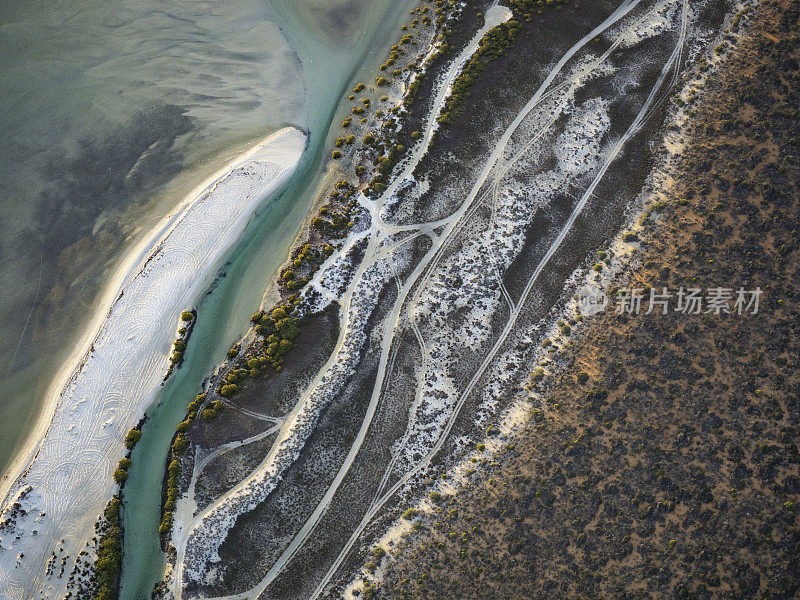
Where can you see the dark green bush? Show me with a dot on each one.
(228, 390)
(493, 45)
(108, 564)
(120, 475)
(131, 438)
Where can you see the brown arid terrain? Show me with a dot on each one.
(664, 462)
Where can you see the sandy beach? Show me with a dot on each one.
(117, 367)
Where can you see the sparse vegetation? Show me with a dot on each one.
(179, 346)
(132, 437)
(494, 44)
(673, 474)
(108, 565)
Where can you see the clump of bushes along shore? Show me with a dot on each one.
(188, 319)
(280, 330)
(179, 446)
(421, 16)
(108, 564)
(494, 44)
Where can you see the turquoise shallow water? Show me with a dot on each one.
(336, 42)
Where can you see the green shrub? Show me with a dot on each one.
(131, 438)
(228, 390)
(180, 444)
(108, 563)
(186, 316)
(287, 328)
(166, 523)
(120, 475)
(491, 46)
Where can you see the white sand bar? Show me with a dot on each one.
(115, 375)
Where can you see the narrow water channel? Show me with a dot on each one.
(332, 55)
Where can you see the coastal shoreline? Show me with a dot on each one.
(130, 264)
(276, 156)
(496, 15)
